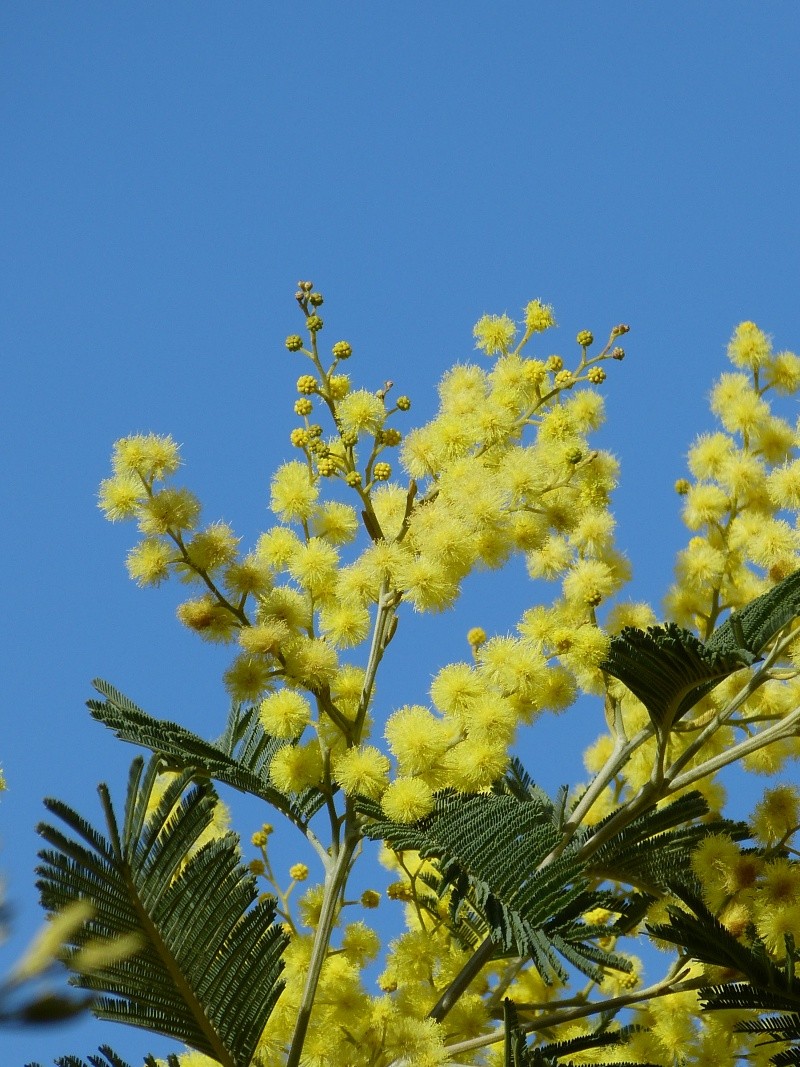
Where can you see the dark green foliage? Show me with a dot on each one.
(240, 757)
(207, 972)
(755, 625)
(108, 1058)
(519, 1054)
(762, 985)
(652, 852)
(669, 669)
(488, 849)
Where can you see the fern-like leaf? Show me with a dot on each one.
(207, 971)
(240, 758)
(669, 669)
(517, 1053)
(488, 849)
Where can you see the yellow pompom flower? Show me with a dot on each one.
(361, 412)
(298, 872)
(148, 562)
(297, 767)
(783, 486)
(476, 763)
(149, 455)
(310, 661)
(277, 547)
(418, 739)
(285, 714)
(749, 347)
(709, 453)
(293, 495)
(313, 566)
(344, 624)
(407, 800)
(363, 770)
(265, 638)
(335, 522)
(588, 582)
(247, 577)
(426, 585)
(705, 503)
(169, 510)
(785, 372)
(208, 618)
(213, 547)
(494, 334)
(360, 944)
(777, 814)
(455, 688)
(286, 604)
(538, 317)
(247, 678)
(121, 497)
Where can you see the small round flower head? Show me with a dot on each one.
(285, 714)
(370, 898)
(208, 618)
(293, 494)
(335, 522)
(121, 497)
(297, 767)
(777, 815)
(149, 562)
(149, 455)
(314, 323)
(310, 662)
(170, 509)
(476, 637)
(494, 334)
(247, 577)
(342, 350)
(407, 800)
(299, 437)
(303, 406)
(213, 547)
(403, 403)
(382, 472)
(749, 347)
(391, 437)
(785, 373)
(344, 624)
(294, 342)
(361, 412)
(364, 771)
(596, 375)
(338, 386)
(247, 678)
(565, 379)
(256, 867)
(585, 338)
(298, 872)
(307, 384)
(313, 566)
(538, 317)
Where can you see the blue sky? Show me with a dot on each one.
(171, 170)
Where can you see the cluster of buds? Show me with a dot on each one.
(355, 415)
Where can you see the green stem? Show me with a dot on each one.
(335, 881)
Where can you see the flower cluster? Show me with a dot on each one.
(370, 520)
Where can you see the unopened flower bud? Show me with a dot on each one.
(381, 472)
(342, 350)
(303, 406)
(596, 375)
(307, 384)
(476, 636)
(298, 872)
(316, 300)
(294, 342)
(306, 286)
(403, 403)
(370, 898)
(314, 323)
(353, 479)
(585, 338)
(554, 363)
(618, 353)
(618, 331)
(682, 487)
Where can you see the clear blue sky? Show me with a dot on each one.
(171, 170)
